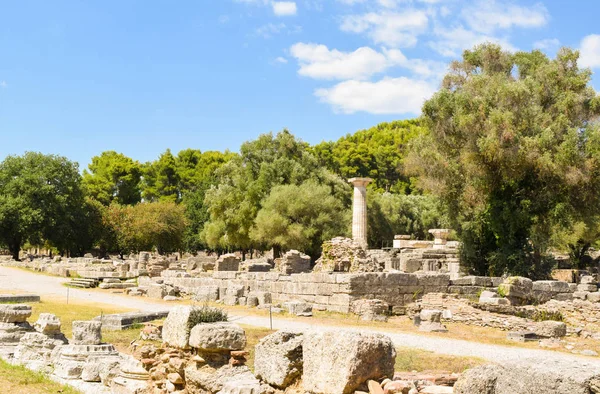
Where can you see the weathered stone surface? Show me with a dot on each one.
(593, 297)
(521, 336)
(338, 362)
(517, 289)
(278, 358)
(212, 380)
(550, 329)
(227, 262)
(293, 262)
(371, 310)
(14, 313)
(156, 291)
(522, 377)
(47, 324)
(176, 329)
(37, 350)
(206, 293)
(587, 287)
(87, 332)
(217, 337)
(587, 280)
(430, 321)
(299, 308)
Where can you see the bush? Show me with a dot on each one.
(206, 314)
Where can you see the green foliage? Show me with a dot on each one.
(299, 217)
(542, 315)
(377, 153)
(112, 177)
(40, 199)
(145, 226)
(246, 180)
(161, 179)
(392, 214)
(512, 153)
(206, 314)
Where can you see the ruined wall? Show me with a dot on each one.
(333, 292)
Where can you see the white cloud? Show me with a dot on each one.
(547, 44)
(590, 51)
(451, 42)
(319, 62)
(224, 19)
(488, 15)
(284, 8)
(398, 29)
(281, 60)
(3, 84)
(387, 96)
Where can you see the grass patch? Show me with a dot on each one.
(410, 359)
(253, 336)
(18, 379)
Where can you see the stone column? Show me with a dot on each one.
(359, 210)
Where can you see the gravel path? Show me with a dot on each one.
(28, 282)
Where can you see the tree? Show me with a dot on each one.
(392, 214)
(112, 177)
(512, 152)
(161, 179)
(299, 217)
(38, 193)
(197, 170)
(248, 178)
(377, 153)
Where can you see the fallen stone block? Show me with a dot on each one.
(87, 332)
(530, 378)
(299, 308)
(338, 362)
(278, 358)
(217, 337)
(521, 336)
(122, 321)
(587, 287)
(18, 298)
(14, 313)
(177, 326)
(550, 329)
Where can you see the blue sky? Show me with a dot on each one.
(138, 77)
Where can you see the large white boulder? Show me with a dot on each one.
(278, 358)
(338, 362)
(217, 337)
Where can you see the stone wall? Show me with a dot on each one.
(326, 291)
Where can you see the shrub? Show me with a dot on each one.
(206, 314)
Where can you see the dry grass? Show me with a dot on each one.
(410, 359)
(18, 379)
(253, 336)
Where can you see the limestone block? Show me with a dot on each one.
(338, 362)
(594, 297)
(517, 289)
(157, 291)
(473, 281)
(230, 300)
(299, 308)
(589, 287)
(14, 313)
(588, 280)
(278, 358)
(227, 262)
(554, 286)
(550, 329)
(582, 295)
(176, 329)
(371, 310)
(47, 324)
(87, 332)
(523, 377)
(217, 337)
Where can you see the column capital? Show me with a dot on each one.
(360, 181)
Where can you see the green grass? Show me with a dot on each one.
(410, 359)
(18, 379)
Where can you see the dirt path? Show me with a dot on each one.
(43, 285)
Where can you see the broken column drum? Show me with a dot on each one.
(359, 209)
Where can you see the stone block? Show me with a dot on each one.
(589, 287)
(176, 329)
(483, 281)
(594, 297)
(227, 262)
(14, 313)
(526, 377)
(517, 289)
(582, 295)
(87, 332)
(217, 337)
(157, 291)
(47, 324)
(278, 358)
(553, 286)
(338, 362)
(299, 308)
(588, 280)
(521, 336)
(550, 329)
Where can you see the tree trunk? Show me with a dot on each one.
(243, 254)
(276, 251)
(15, 248)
